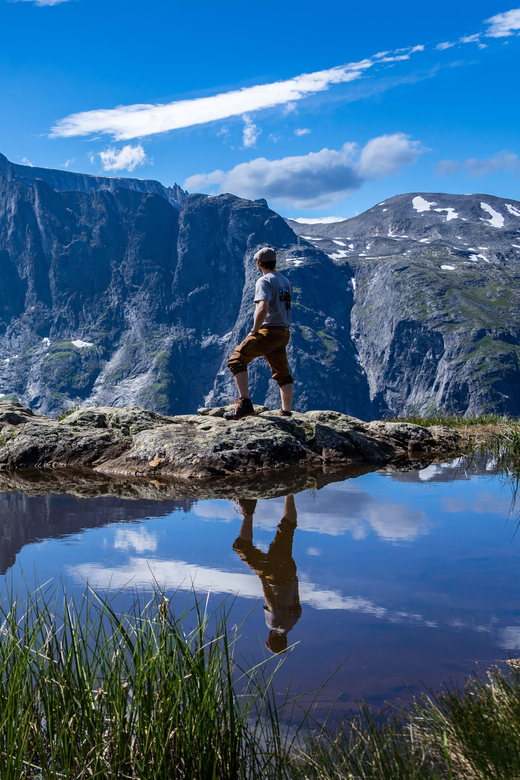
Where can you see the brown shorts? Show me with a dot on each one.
(269, 343)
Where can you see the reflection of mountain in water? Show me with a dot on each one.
(459, 468)
(25, 519)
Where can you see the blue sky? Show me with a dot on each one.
(324, 109)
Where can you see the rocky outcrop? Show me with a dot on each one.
(133, 441)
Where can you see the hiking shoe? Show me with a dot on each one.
(243, 408)
(284, 413)
(247, 506)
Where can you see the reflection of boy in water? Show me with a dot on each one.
(277, 571)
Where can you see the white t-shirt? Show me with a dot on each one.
(276, 289)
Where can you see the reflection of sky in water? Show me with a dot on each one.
(411, 577)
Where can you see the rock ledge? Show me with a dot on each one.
(134, 441)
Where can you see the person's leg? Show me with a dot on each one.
(237, 364)
(279, 366)
(281, 546)
(286, 394)
(246, 529)
(247, 507)
(242, 382)
(289, 512)
(247, 351)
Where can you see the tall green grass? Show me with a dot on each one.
(469, 733)
(456, 420)
(87, 691)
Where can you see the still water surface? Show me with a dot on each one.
(400, 579)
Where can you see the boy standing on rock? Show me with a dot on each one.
(269, 336)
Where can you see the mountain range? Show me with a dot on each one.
(121, 291)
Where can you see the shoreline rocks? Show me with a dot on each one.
(139, 443)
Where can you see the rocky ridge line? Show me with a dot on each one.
(141, 443)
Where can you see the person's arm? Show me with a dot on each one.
(262, 307)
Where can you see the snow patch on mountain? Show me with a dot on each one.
(80, 344)
(420, 204)
(451, 213)
(497, 220)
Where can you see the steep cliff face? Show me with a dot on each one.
(436, 319)
(118, 297)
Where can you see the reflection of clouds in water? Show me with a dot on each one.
(482, 503)
(140, 541)
(453, 504)
(509, 638)
(178, 575)
(397, 522)
(215, 509)
(345, 507)
(334, 510)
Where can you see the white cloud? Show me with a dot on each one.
(68, 163)
(302, 131)
(317, 179)
(319, 220)
(386, 155)
(395, 58)
(445, 45)
(470, 38)
(127, 158)
(503, 25)
(44, 2)
(473, 39)
(25, 161)
(509, 638)
(126, 122)
(251, 132)
(503, 161)
(140, 540)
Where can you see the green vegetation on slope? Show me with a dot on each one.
(455, 420)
